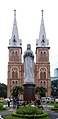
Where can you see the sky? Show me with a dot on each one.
(28, 15)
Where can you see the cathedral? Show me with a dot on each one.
(41, 66)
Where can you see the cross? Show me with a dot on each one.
(42, 12)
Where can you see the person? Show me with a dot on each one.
(9, 102)
(18, 102)
(46, 102)
(35, 102)
(14, 103)
(38, 102)
(4, 102)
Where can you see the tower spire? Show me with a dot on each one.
(15, 41)
(42, 41)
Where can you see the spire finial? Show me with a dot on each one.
(14, 17)
(14, 13)
(42, 12)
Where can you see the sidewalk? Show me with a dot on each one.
(11, 110)
(52, 114)
(8, 111)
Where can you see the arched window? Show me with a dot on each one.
(12, 55)
(37, 75)
(41, 75)
(13, 75)
(41, 82)
(44, 55)
(16, 82)
(16, 55)
(40, 55)
(44, 75)
(44, 82)
(16, 74)
(13, 82)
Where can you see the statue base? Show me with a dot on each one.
(29, 92)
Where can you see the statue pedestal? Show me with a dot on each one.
(29, 92)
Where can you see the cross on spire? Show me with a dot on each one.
(42, 12)
(14, 12)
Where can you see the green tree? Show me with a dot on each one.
(54, 88)
(40, 91)
(17, 90)
(3, 90)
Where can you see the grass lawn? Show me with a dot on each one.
(11, 117)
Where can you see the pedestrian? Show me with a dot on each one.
(4, 102)
(38, 102)
(9, 102)
(18, 103)
(14, 103)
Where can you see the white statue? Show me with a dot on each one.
(28, 65)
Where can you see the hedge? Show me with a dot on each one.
(55, 108)
(30, 116)
(29, 112)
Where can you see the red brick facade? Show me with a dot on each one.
(41, 69)
(15, 69)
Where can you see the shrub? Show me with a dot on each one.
(2, 107)
(14, 117)
(56, 106)
(29, 112)
(1, 100)
(33, 116)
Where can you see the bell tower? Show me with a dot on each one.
(42, 60)
(15, 59)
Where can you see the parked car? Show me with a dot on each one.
(50, 99)
(43, 99)
(47, 99)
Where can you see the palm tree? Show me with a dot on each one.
(40, 91)
(17, 90)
